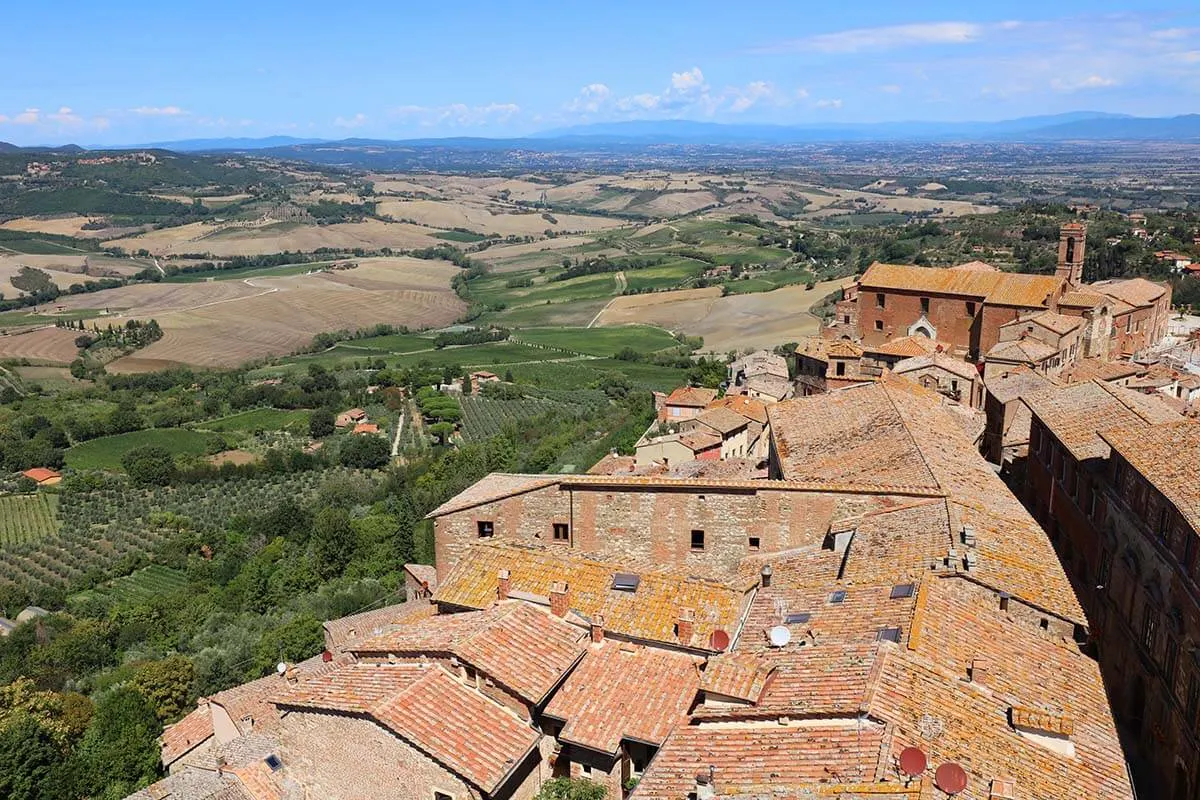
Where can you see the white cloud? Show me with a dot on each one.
(30, 116)
(688, 81)
(887, 37)
(829, 103)
(890, 88)
(65, 116)
(747, 98)
(644, 101)
(456, 114)
(801, 93)
(357, 121)
(159, 111)
(1089, 82)
(591, 98)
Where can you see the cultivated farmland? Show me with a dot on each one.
(106, 452)
(27, 517)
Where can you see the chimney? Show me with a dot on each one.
(560, 600)
(979, 670)
(764, 576)
(502, 585)
(685, 626)
(597, 629)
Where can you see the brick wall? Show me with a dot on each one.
(901, 309)
(654, 525)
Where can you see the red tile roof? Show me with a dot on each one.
(523, 648)
(1169, 457)
(40, 474)
(748, 407)
(691, 396)
(997, 288)
(624, 691)
(1077, 413)
(469, 734)
(187, 734)
(340, 632)
(647, 614)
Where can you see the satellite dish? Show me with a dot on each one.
(779, 636)
(913, 761)
(719, 640)
(281, 667)
(950, 778)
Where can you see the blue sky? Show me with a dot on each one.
(126, 71)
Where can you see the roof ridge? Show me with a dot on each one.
(1123, 401)
(908, 432)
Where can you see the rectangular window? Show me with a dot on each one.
(878, 324)
(1105, 569)
(970, 309)
(924, 305)
(1171, 663)
(485, 528)
(1149, 628)
(754, 541)
(888, 635)
(840, 368)
(586, 769)
(902, 591)
(837, 597)
(880, 300)
(697, 540)
(562, 532)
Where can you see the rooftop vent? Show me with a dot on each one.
(901, 591)
(273, 762)
(626, 581)
(838, 596)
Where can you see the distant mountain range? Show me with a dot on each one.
(1073, 126)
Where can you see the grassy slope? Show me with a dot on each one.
(106, 452)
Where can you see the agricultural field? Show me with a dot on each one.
(106, 452)
(42, 345)
(492, 355)
(587, 373)
(223, 241)
(599, 341)
(259, 419)
(485, 417)
(227, 323)
(143, 585)
(102, 527)
(27, 517)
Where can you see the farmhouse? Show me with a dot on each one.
(350, 417)
(366, 427)
(43, 476)
(685, 402)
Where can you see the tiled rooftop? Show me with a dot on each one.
(341, 632)
(1029, 351)
(944, 361)
(1169, 457)
(188, 733)
(748, 407)
(1076, 414)
(766, 759)
(908, 347)
(722, 420)
(1051, 321)
(625, 691)
(998, 288)
(1134, 291)
(691, 396)
(647, 614)
(1086, 369)
(471, 735)
(1011, 384)
(523, 648)
(495, 486)
(191, 783)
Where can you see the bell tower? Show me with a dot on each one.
(1071, 238)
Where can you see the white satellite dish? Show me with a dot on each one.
(779, 636)
(281, 667)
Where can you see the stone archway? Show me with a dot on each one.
(923, 327)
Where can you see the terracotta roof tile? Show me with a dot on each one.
(495, 486)
(740, 676)
(843, 349)
(1024, 351)
(692, 396)
(185, 735)
(1168, 456)
(908, 346)
(748, 407)
(1076, 414)
(341, 632)
(943, 361)
(1136, 292)
(1052, 321)
(1016, 382)
(647, 614)
(525, 649)
(1081, 298)
(998, 288)
(623, 691)
(721, 420)
(772, 386)
(40, 474)
(354, 689)
(765, 758)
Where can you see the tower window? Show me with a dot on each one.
(485, 528)
(878, 324)
(880, 300)
(924, 305)
(697, 540)
(562, 532)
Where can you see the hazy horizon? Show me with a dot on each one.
(136, 71)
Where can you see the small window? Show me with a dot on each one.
(888, 635)
(273, 762)
(441, 795)
(902, 591)
(586, 769)
(840, 368)
(878, 324)
(562, 532)
(485, 528)
(796, 619)
(838, 597)
(697, 540)
(970, 309)
(924, 305)
(880, 300)
(754, 542)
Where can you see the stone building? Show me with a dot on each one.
(1112, 474)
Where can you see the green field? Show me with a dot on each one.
(27, 517)
(394, 343)
(477, 355)
(248, 272)
(584, 374)
(145, 584)
(491, 289)
(467, 237)
(106, 452)
(673, 274)
(37, 247)
(600, 341)
(259, 419)
(766, 281)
